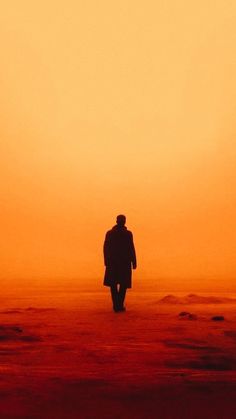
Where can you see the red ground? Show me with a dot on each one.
(65, 354)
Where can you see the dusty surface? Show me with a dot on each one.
(65, 354)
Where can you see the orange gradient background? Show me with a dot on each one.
(125, 107)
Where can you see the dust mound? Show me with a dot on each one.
(187, 315)
(218, 318)
(170, 299)
(39, 310)
(16, 333)
(195, 299)
(27, 310)
(11, 311)
(190, 344)
(208, 362)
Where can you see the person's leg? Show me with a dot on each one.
(122, 293)
(115, 296)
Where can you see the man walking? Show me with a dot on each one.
(119, 258)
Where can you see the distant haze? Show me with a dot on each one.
(118, 107)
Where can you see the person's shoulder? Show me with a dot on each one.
(129, 233)
(109, 233)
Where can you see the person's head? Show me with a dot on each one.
(121, 220)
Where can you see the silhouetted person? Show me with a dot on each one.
(119, 258)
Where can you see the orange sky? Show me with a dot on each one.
(118, 107)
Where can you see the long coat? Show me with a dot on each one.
(119, 256)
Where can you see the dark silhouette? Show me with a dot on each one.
(119, 258)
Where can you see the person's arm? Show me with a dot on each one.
(133, 252)
(106, 249)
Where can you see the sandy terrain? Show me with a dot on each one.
(65, 354)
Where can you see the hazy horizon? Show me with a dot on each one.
(160, 286)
